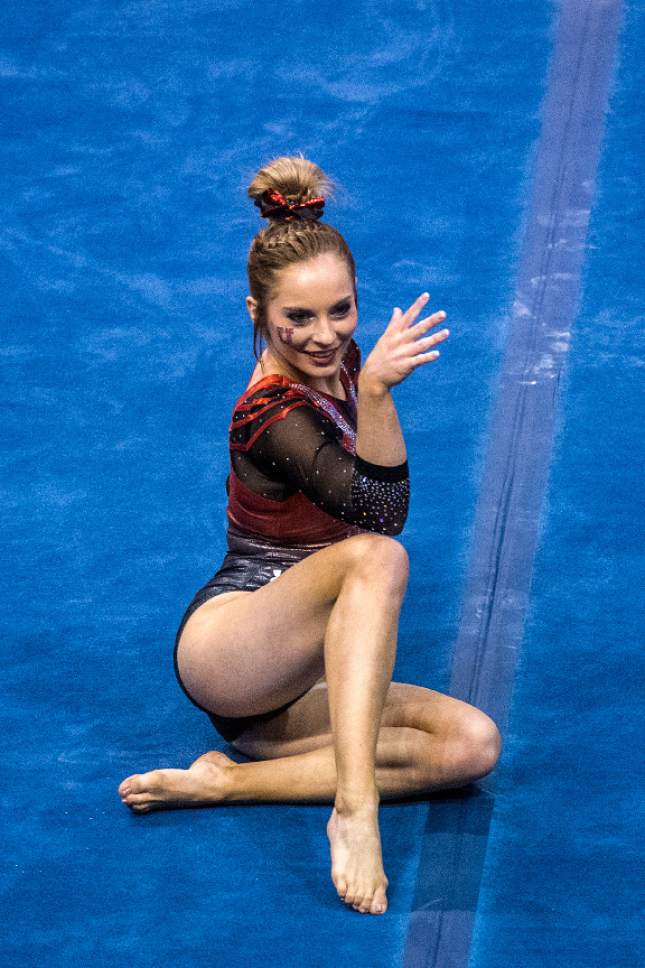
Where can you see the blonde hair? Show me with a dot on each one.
(282, 243)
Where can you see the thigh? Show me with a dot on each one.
(248, 652)
(306, 725)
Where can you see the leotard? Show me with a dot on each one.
(295, 485)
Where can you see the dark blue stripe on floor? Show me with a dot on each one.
(514, 478)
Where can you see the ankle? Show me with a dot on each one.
(239, 785)
(357, 801)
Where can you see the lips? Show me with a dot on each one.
(318, 356)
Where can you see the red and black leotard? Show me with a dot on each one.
(295, 477)
(295, 485)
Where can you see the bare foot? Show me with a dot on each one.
(356, 860)
(207, 780)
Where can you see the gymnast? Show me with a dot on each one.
(289, 648)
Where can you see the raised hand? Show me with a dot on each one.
(402, 347)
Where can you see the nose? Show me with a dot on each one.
(324, 335)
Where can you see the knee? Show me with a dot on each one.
(381, 556)
(480, 742)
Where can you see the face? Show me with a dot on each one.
(312, 315)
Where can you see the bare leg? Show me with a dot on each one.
(336, 611)
(306, 777)
(343, 601)
(360, 650)
(408, 761)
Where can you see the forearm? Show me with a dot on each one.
(379, 439)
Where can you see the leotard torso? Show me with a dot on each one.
(294, 475)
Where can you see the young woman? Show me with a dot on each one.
(290, 646)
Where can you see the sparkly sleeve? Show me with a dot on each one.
(303, 450)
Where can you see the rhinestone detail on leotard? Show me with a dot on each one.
(381, 505)
(349, 434)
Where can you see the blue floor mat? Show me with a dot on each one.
(561, 883)
(132, 131)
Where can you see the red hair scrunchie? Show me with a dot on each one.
(273, 202)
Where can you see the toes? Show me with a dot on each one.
(139, 807)
(129, 785)
(138, 783)
(363, 904)
(368, 904)
(138, 802)
(379, 904)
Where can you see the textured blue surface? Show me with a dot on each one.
(132, 130)
(518, 456)
(562, 881)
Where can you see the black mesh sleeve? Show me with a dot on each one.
(303, 450)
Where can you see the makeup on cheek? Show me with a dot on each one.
(285, 334)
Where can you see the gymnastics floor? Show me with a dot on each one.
(490, 153)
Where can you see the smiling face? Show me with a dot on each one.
(311, 317)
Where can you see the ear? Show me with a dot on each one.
(251, 305)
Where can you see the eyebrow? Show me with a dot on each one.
(287, 309)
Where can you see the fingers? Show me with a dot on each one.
(428, 341)
(411, 314)
(425, 358)
(424, 344)
(403, 319)
(426, 323)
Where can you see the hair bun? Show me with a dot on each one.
(290, 188)
(273, 205)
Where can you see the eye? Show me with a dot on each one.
(298, 318)
(342, 310)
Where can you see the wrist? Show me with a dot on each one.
(370, 387)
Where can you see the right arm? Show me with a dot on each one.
(378, 433)
(303, 451)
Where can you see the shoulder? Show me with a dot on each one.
(262, 405)
(273, 390)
